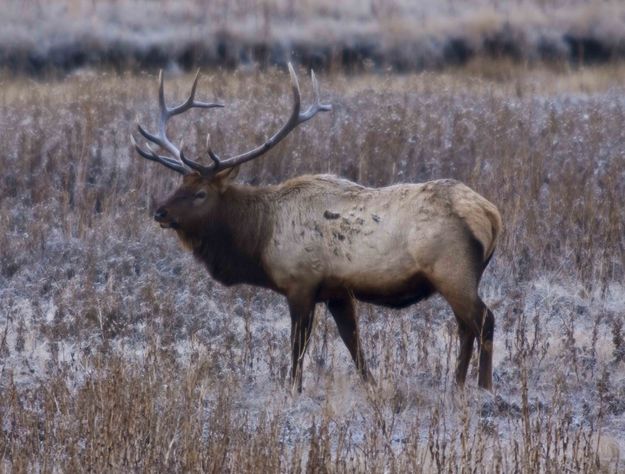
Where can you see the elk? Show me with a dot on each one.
(323, 239)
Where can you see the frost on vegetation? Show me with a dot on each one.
(96, 299)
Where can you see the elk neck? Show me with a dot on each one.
(231, 240)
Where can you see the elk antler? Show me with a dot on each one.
(161, 139)
(219, 164)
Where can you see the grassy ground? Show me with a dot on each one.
(119, 353)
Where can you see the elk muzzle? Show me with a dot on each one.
(163, 219)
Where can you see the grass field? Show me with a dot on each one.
(118, 352)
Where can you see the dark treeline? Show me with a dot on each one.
(365, 52)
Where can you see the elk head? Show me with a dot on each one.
(202, 185)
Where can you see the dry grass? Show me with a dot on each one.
(119, 353)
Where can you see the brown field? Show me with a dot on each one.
(118, 353)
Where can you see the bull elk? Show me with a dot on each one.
(322, 239)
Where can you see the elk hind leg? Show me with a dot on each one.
(485, 321)
(342, 309)
(475, 322)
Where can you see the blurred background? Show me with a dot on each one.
(119, 353)
(354, 35)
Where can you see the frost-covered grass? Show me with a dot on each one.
(119, 353)
(402, 35)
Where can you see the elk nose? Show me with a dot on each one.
(160, 214)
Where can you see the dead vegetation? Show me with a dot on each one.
(119, 353)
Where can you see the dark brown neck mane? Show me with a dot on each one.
(231, 240)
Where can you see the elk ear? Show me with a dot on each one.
(223, 178)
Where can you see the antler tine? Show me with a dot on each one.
(161, 95)
(315, 85)
(149, 136)
(317, 106)
(191, 102)
(152, 156)
(296, 92)
(212, 155)
(294, 120)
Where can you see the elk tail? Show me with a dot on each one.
(496, 225)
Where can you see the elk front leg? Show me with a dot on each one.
(302, 309)
(344, 314)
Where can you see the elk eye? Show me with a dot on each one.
(200, 195)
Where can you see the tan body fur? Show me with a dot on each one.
(335, 234)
